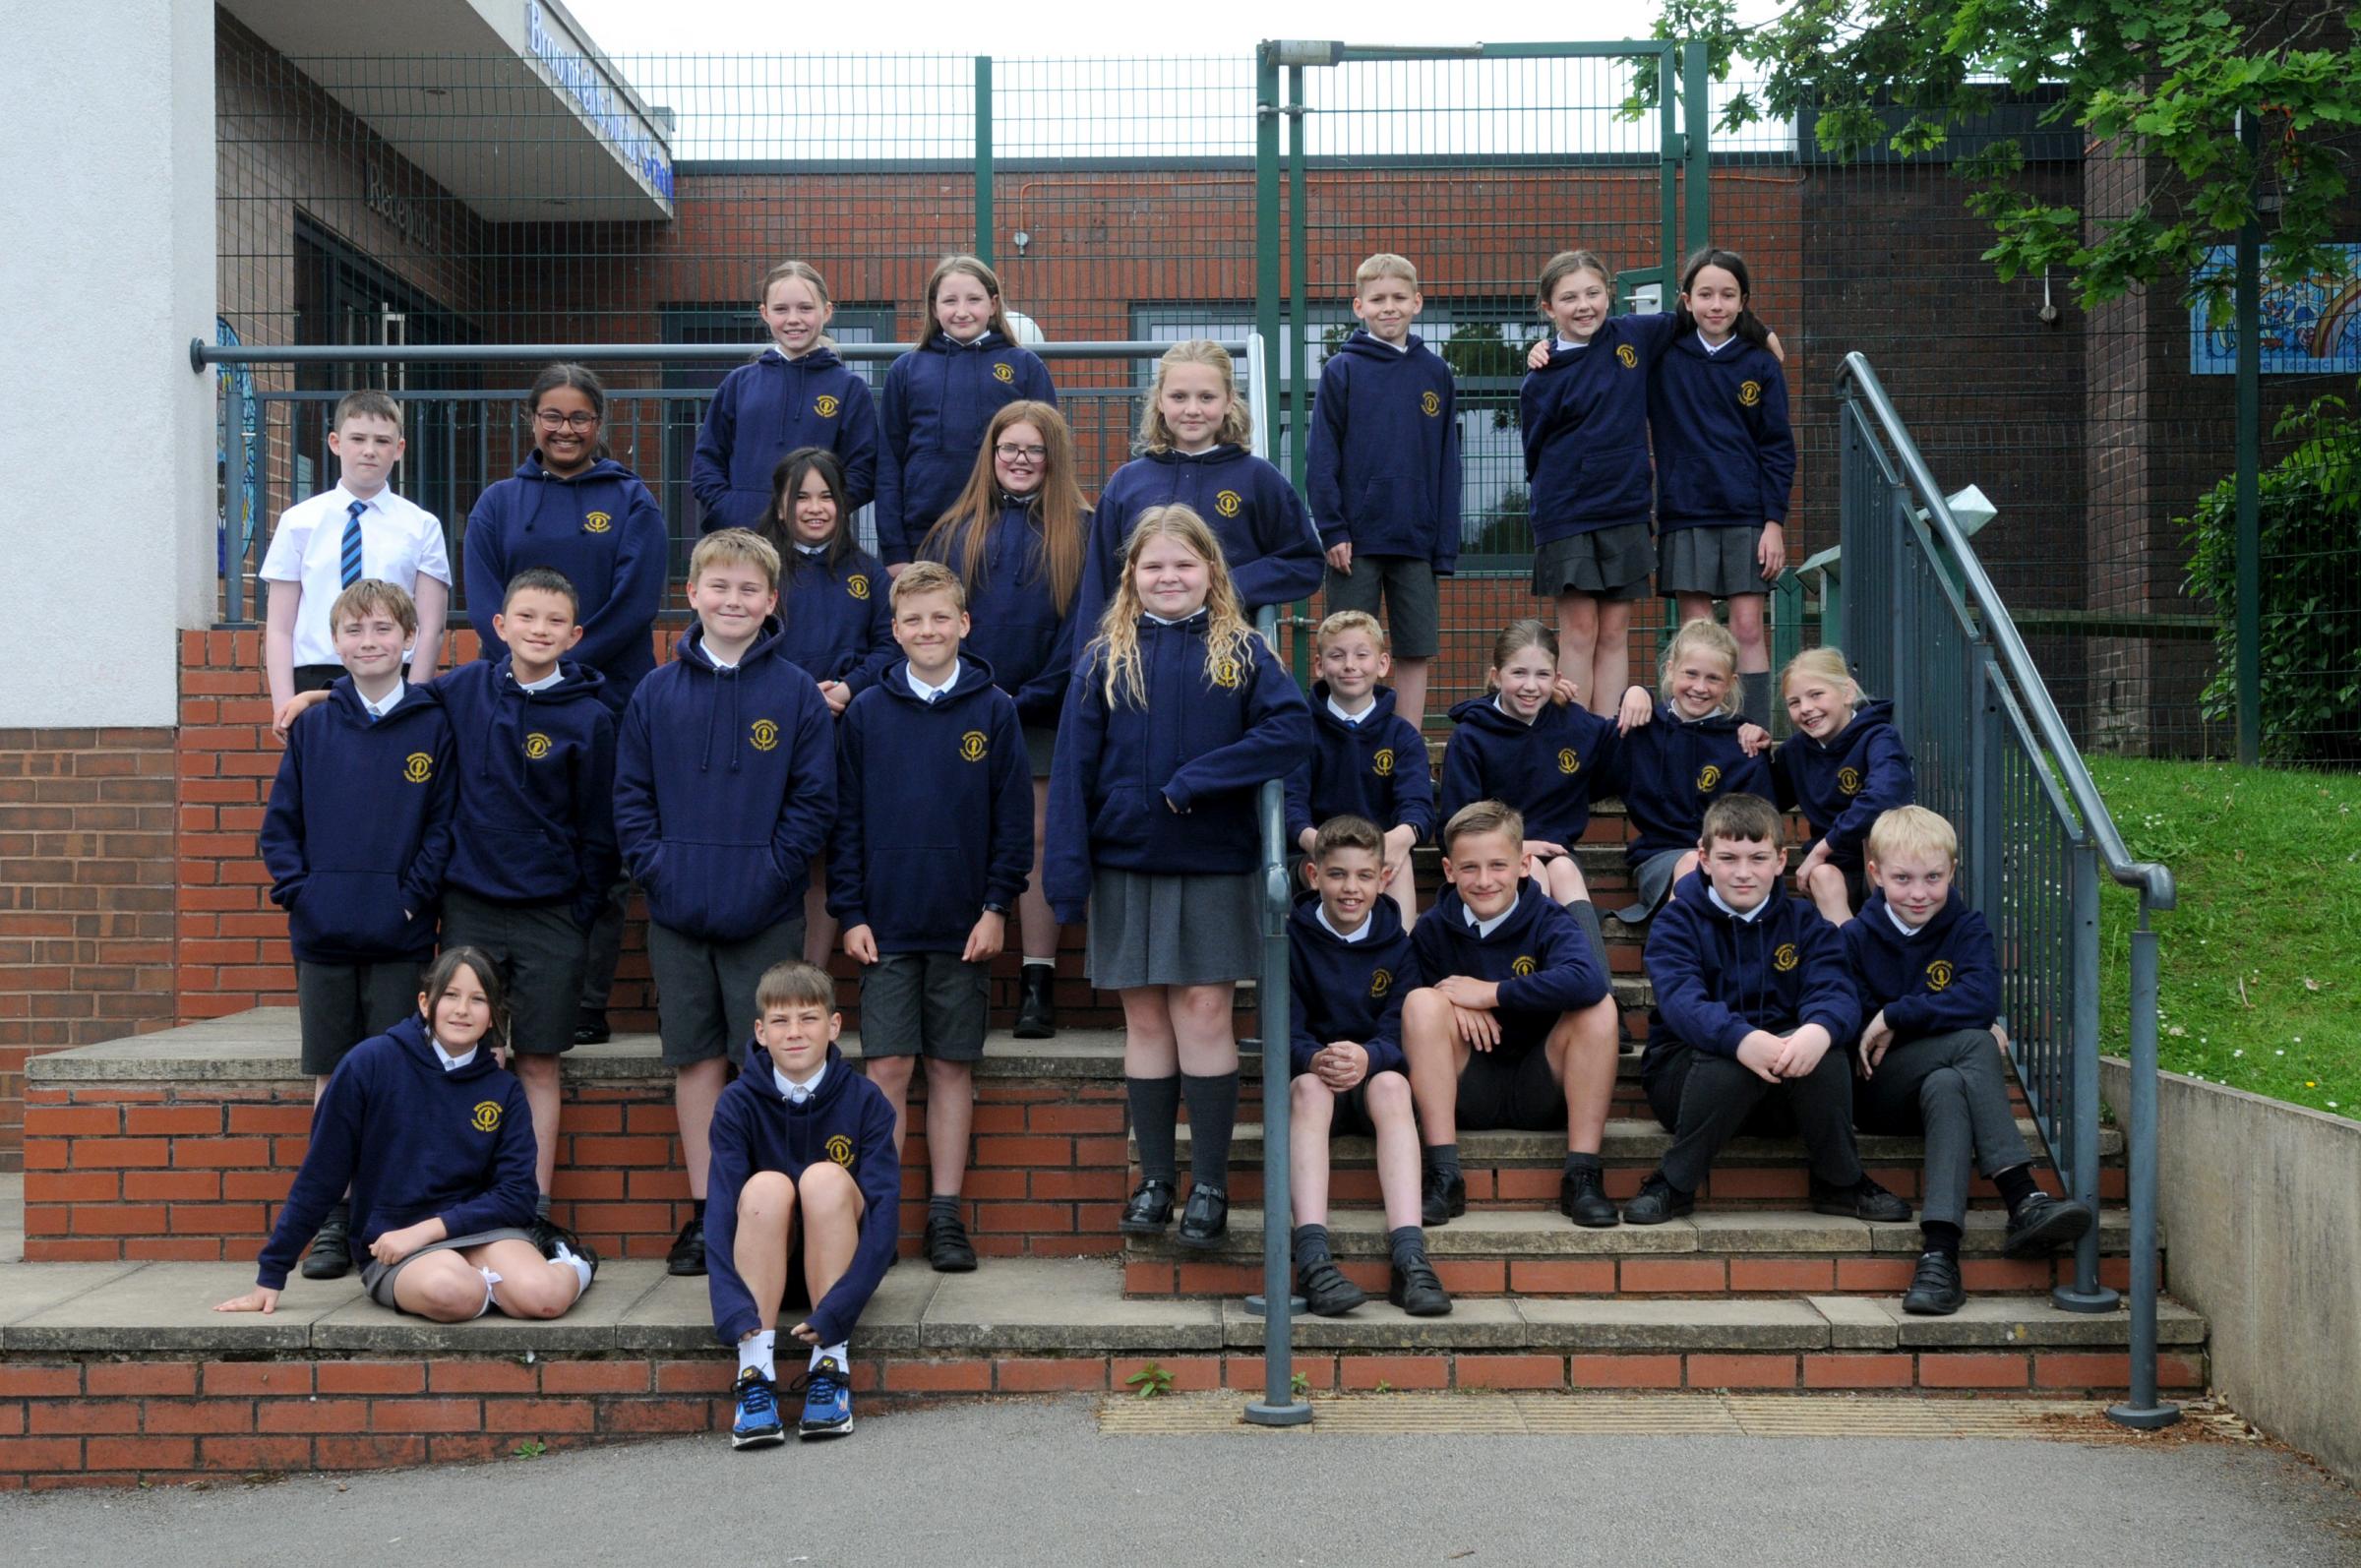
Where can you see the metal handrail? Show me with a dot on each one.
(202, 353)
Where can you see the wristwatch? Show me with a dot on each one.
(991, 908)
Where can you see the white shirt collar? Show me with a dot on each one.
(1367, 924)
(802, 549)
(1749, 916)
(1501, 703)
(1715, 349)
(542, 685)
(1568, 342)
(798, 1093)
(345, 498)
(1903, 926)
(1177, 620)
(378, 710)
(1484, 927)
(925, 693)
(452, 1064)
(1352, 718)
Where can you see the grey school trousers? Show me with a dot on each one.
(1704, 1100)
(1954, 1089)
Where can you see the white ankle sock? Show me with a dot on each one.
(568, 1257)
(1046, 963)
(754, 1352)
(841, 1349)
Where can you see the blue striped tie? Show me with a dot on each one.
(352, 542)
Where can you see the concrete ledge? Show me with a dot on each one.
(1628, 1138)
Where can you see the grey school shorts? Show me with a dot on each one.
(339, 1005)
(924, 1005)
(1413, 600)
(1606, 564)
(1719, 561)
(1505, 1088)
(706, 991)
(540, 952)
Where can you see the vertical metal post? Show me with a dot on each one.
(2250, 465)
(236, 496)
(984, 158)
(1696, 120)
(1902, 600)
(2143, 1410)
(1667, 158)
(2079, 1054)
(1983, 784)
(1266, 205)
(1293, 349)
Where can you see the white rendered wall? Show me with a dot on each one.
(107, 436)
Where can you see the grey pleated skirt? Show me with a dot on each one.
(1719, 561)
(1152, 930)
(1605, 563)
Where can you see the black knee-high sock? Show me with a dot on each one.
(1754, 697)
(1310, 1244)
(1941, 1236)
(1155, 1113)
(1586, 915)
(1212, 1113)
(2016, 1184)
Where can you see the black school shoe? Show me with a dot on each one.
(2039, 1225)
(1866, 1200)
(1416, 1290)
(948, 1251)
(1582, 1198)
(1206, 1220)
(1036, 1013)
(1149, 1211)
(1441, 1195)
(687, 1254)
(590, 1029)
(1658, 1202)
(1935, 1289)
(1326, 1291)
(330, 1256)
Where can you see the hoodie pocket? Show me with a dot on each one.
(528, 863)
(351, 912)
(719, 892)
(1380, 500)
(1616, 481)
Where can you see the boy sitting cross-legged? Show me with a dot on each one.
(1753, 1007)
(804, 1173)
(1349, 964)
(1514, 1026)
(1924, 965)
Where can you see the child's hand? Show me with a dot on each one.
(1398, 844)
(1538, 355)
(1759, 1053)
(1779, 350)
(1637, 709)
(1342, 1064)
(1462, 990)
(893, 571)
(1771, 550)
(293, 711)
(860, 944)
(1170, 807)
(1753, 740)
(1877, 1037)
(1481, 1030)
(1563, 690)
(1810, 864)
(1340, 556)
(1538, 850)
(835, 693)
(986, 940)
(803, 1331)
(260, 1299)
(1802, 1051)
(395, 1245)
(1306, 839)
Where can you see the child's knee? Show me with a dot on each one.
(534, 1069)
(1425, 1019)
(1312, 1099)
(827, 1188)
(1940, 1088)
(1388, 1095)
(546, 1293)
(1566, 877)
(450, 1295)
(890, 1073)
(1685, 864)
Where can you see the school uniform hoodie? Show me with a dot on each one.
(1549, 770)
(1585, 421)
(1674, 768)
(1376, 769)
(1383, 467)
(937, 401)
(725, 787)
(934, 810)
(847, 1121)
(358, 829)
(764, 410)
(535, 821)
(601, 529)
(1171, 788)
(1015, 623)
(1537, 956)
(1725, 454)
(413, 1142)
(836, 620)
(1338, 990)
(1265, 534)
(1843, 785)
(1720, 977)
(1942, 977)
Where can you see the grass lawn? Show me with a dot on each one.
(2260, 966)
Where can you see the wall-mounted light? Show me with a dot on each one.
(1020, 239)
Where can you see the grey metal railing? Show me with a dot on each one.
(1923, 623)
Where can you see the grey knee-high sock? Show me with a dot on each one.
(1754, 697)
(1155, 1115)
(1586, 915)
(1212, 1113)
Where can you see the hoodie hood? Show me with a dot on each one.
(1381, 708)
(602, 469)
(976, 679)
(760, 1075)
(344, 701)
(419, 1052)
(940, 341)
(1366, 344)
(1213, 457)
(820, 356)
(1485, 713)
(1453, 911)
(692, 656)
(1879, 710)
(1383, 926)
(1878, 916)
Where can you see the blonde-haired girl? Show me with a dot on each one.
(1682, 750)
(1178, 714)
(796, 393)
(1843, 767)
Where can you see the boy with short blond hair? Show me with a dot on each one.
(1367, 761)
(1929, 1061)
(934, 843)
(725, 786)
(1383, 471)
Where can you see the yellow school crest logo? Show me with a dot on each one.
(1568, 762)
(1429, 404)
(418, 767)
(1750, 392)
(764, 734)
(1938, 975)
(1381, 981)
(1848, 779)
(486, 1118)
(536, 746)
(857, 585)
(598, 522)
(1382, 764)
(1627, 356)
(1708, 777)
(1523, 966)
(840, 1149)
(1786, 958)
(1226, 674)
(972, 745)
(1227, 503)
(1003, 373)
(825, 407)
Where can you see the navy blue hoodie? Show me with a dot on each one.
(1338, 990)
(1383, 464)
(836, 623)
(938, 399)
(754, 1128)
(1376, 769)
(535, 822)
(1585, 419)
(1674, 768)
(1537, 956)
(1013, 621)
(604, 532)
(934, 810)
(1171, 788)
(1843, 786)
(1724, 457)
(1549, 769)
(725, 786)
(765, 410)
(1267, 537)
(413, 1142)
(1718, 978)
(1941, 977)
(358, 829)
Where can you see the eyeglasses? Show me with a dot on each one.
(1009, 452)
(552, 419)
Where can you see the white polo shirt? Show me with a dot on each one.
(399, 541)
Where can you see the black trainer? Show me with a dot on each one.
(1414, 1289)
(1582, 1198)
(1935, 1289)
(552, 1237)
(1444, 1194)
(590, 1029)
(687, 1254)
(1036, 1012)
(1206, 1220)
(330, 1256)
(1658, 1202)
(1865, 1200)
(2042, 1223)
(1326, 1291)
(1149, 1211)
(948, 1251)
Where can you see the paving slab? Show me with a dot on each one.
(589, 1326)
(2015, 1321)
(1856, 1322)
(675, 1314)
(29, 1288)
(1684, 1325)
(1489, 1324)
(1480, 1232)
(169, 1307)
(1986, 1228)
(1778, 1231)
(1026, 1305)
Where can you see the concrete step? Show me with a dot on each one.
(1628, 1141)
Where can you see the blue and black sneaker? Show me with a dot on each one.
(757, 1425)
(827, 1402)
